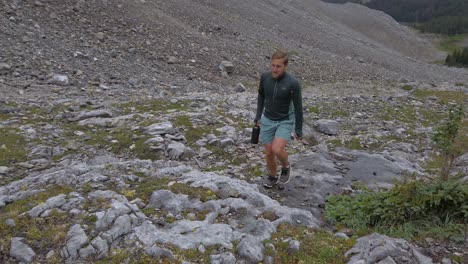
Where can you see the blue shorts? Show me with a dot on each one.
(269, 129)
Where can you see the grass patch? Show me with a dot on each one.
(152, 106)
(144, 189)
(444, 97)
(316, 246)
(192, 133)
(459, 84)
(449, 44)
(119, 255)
(40, 233)
(407, 87)
(121, 141)
(411, 210)
(405, 114)
(12, 146)
(314, 109)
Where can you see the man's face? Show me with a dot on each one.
(278, 67)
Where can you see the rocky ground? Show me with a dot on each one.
(122, 139)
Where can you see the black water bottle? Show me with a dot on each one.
(255, 135)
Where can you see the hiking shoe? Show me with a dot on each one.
(270, 181)
(285, 175)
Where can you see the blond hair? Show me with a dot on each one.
(281, 54)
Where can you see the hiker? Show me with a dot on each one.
(279, 111)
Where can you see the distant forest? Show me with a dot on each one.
(458, 58)
(449, 17)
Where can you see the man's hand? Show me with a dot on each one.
(296, 136)
(257, 122)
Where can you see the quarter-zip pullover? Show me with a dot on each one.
(279, 98)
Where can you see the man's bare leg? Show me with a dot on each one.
(270, 160)
(279, 151)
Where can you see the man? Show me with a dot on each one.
(279, 110)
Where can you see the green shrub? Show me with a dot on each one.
(408, 210)
(445, 137)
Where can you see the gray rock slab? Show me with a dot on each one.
(87, 252)
(223, 258)
(329, 127)
(160, 129)
(20, 251)
(188, 234)
(121, 227)
(174, 203)
(41, 152)
(158, 252)
(262, 229)
(76, 239)
(387, 260)
(101, 247)
(176, 150)
(251, 249)
(93, 114)
(373, 169)
(117, 209)
(51, 203)
(376, 247)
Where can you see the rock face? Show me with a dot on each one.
(76, 238)
(377, 248)
(21, 251)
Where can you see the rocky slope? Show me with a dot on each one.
(121, 139)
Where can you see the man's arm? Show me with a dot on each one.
(260, 101)
(297, 101)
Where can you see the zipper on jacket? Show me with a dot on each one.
(274, 90)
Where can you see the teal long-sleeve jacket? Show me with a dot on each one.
(278, 98)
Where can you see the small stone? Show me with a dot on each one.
(4, 170)
(171, 60)
(100, 36)
(75, 212)
(293, 246)
(50, 254)
(446, 261)
(158, 252)
(240, 88)
(342, 235)
(59, 79)
(4, 68)
(201, 249)
(38, 3)
(227, 66)
(10, 222)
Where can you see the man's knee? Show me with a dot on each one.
(269, 150)
(277, 149)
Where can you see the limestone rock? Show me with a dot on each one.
(250, 249)
(329, 127)
(20, 251)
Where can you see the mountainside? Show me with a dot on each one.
(147, 40)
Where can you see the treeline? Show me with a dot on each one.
(438, 16)
(458, 58)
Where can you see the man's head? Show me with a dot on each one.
(279, 63)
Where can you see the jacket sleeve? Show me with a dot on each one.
(297, 101)
(260, 100)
